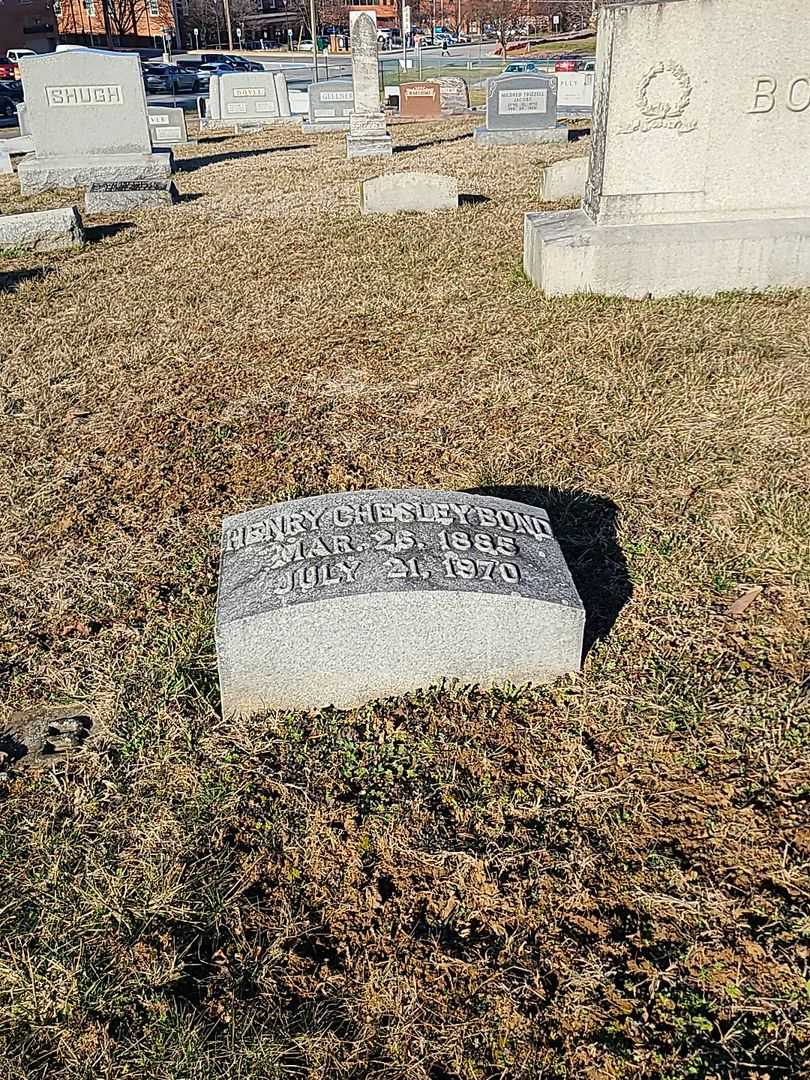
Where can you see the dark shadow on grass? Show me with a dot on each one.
(585, 528)
(10, 279)
(190, 197)
(575, 134)
(192, 164)
(472, 200)
(93, 233)
(432, 142)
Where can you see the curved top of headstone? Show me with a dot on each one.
(364, 31)
(407, 539)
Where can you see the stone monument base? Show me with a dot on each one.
(489, 137)
(46, 174)
(320, 126)
(131, 195)
(565, 253)
(362, 146)
(46, 230)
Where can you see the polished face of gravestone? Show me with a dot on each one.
(680, 136)
(420, 99)
(330, 100)
(518, 102)
(167, 125)
(85, 103)
(364, 62)
(342, 598)
(249, 96)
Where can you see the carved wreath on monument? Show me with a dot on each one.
(663, 97)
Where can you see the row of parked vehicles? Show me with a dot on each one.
(192, 75)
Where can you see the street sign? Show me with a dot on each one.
(406, 19)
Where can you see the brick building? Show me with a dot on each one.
(129, 23)
(27, 24)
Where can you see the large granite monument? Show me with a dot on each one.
(86, 112)
(521, 109)
(340, 599)
(697, 179)
(368, 136)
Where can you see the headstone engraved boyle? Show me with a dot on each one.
(698, 173)
(340, 599)
(367, 136)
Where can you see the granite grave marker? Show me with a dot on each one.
(86, 112)
(420, 100)
(368, 136)
(339, 599)
(521, 109)
(330, 105)
(167, 125)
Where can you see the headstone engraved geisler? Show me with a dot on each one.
(86, 112)
(367, 136)
(330, 105)
(521, 109)
(698, 172)
(340, 599)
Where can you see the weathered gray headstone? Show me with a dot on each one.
(575, 93)
(167, 125)
(45, 230)
(22, 118)
(330, 106)
(112, 198)
(248, 100)
(86, 112)
(413, 192)
(697, 181)
(455, 97)
(564, 179)
(340, 599)
(521, 109)
(368, 136)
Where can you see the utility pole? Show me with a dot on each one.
(314, 38)
(227, 8)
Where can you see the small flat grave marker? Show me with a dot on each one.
(339, 599)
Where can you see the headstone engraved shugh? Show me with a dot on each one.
(367, 136)
(86, 111)
(698, 173)
(340, 599)
(521, 109)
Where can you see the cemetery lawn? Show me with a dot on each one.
(603, 879)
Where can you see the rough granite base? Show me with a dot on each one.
(114, 198)
(48, 174)
(45, 230)
(489, 137)
(377, 146)
(320, 126)
(566, 253)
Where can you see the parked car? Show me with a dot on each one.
(241, 64)
(565, 65)
(521, 66)
(168, 79)
(205, 71)
(8, 105)
(12, 87)
(6, 67)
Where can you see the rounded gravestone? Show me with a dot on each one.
(340, 599)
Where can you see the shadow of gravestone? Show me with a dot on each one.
(585, 527)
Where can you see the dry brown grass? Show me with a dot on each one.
(608, 878)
